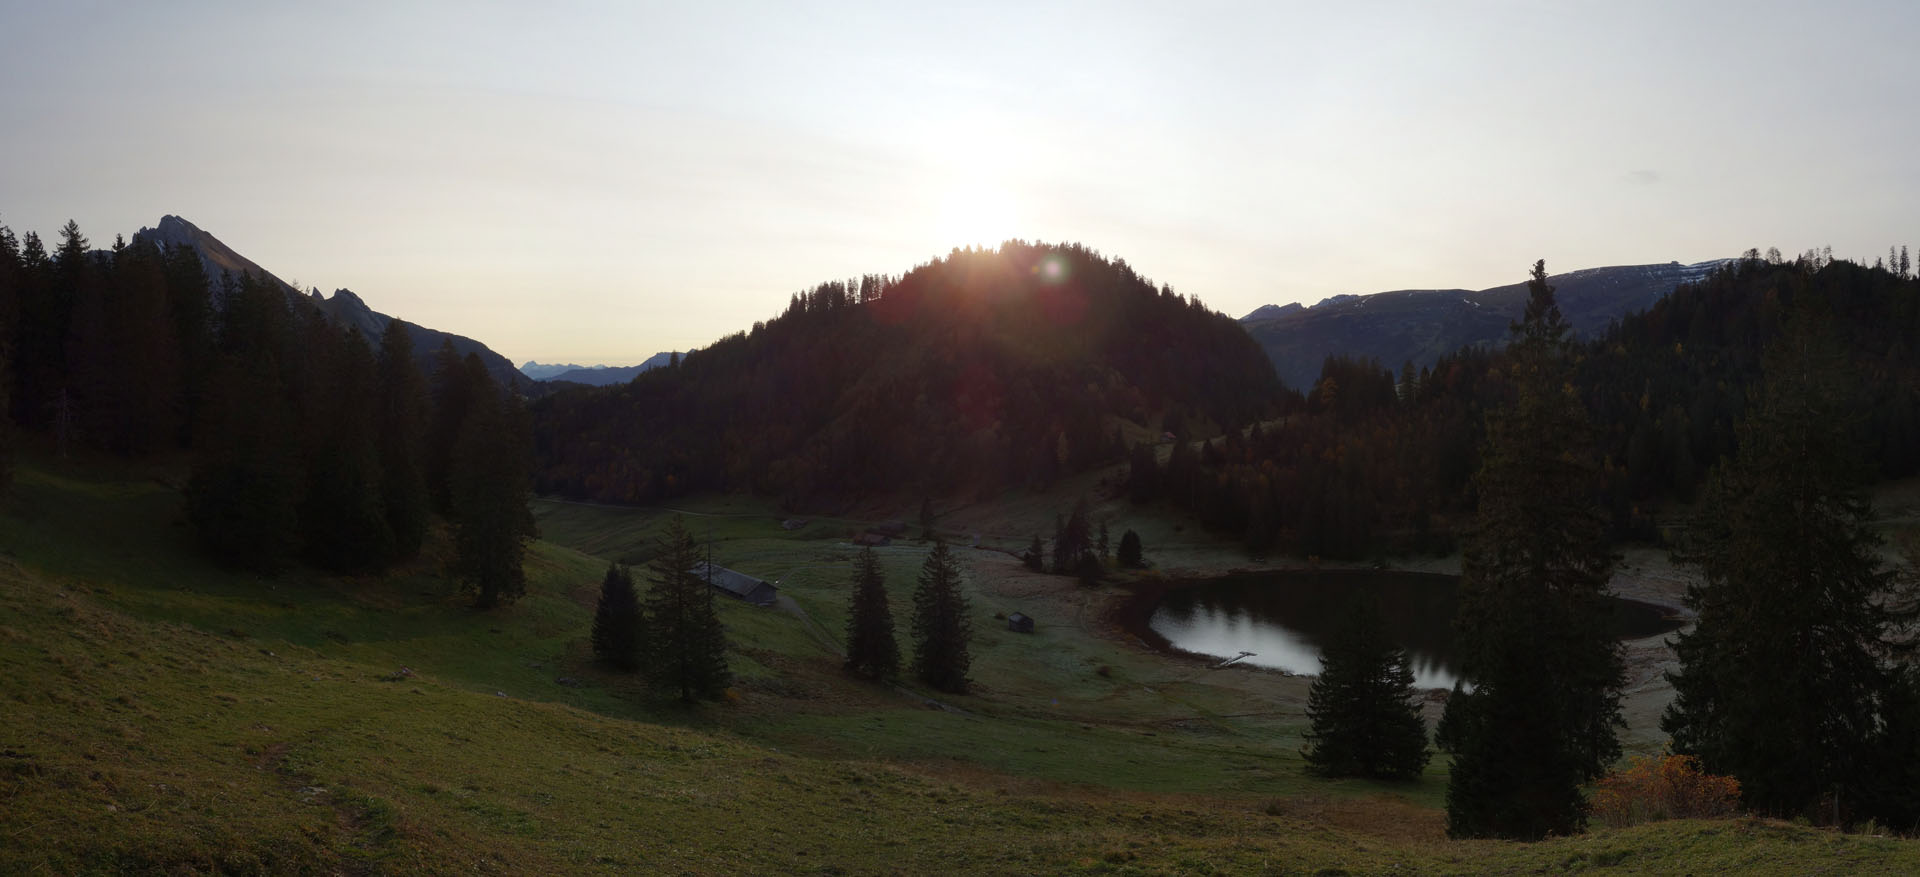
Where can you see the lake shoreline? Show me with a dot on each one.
(1134, 610)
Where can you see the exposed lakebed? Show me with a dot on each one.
(1284, 618)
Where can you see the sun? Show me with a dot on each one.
(977, 212)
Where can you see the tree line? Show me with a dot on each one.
(1372, 463)
(307, 445)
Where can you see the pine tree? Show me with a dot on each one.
(1036, 556)
(1102, 544)
(93, 383)
(1534, 623)
(189, 305)
(1071, 539)
(1129, 554)
(10, 271)
(687, 654)
(399, 402)
(617, 621)
(452, 394)
(1364, 721)
(245, 488)
(1446, 732)
(145, 395)
(941, 628)
(1785, 681)
(343, 516)
(39, 336)
(1143, 473)
(872, 651)
(247, 476)
(490, 486)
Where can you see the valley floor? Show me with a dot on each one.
(161, 715)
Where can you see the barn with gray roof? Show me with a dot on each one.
(737, 585)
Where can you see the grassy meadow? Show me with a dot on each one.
(163, 715)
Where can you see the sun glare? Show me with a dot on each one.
(977, 212)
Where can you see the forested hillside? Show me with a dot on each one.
(1381, 462)
(305, 445)
(971, 373)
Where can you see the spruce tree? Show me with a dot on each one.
(190, 306)
(1787, 680)
(1365, 722)
(941, 628)
(452, 394)
(244, 492)
(687, 652)
(490, 487)
(1129, 555)
(343, 516)
(9, 310)
(399, 405)
(872, 651)
(1072, 538)
(1035, 556)
(617, 621)
(1534, 622)
(147, 394)
(1143, 473)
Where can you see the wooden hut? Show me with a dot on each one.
(737, 585)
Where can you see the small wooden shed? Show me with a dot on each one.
(1019, 623)
(737, 585)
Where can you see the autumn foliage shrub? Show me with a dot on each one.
(1674, 787)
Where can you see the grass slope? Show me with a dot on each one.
(164, 716)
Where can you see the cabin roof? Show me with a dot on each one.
(736, 583)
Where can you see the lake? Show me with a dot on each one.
(1285, 617)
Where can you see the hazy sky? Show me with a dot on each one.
(597, 182)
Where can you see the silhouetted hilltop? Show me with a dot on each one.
(982, 370)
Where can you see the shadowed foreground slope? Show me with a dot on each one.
(161, 717)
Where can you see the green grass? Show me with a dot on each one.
(162, 715)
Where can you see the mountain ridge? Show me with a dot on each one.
(596, 375)
(344, 308)
(1421, 325)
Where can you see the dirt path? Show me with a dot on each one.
(813, 628)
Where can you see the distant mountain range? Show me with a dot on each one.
(594, 375)
(541, 371)
(1421, 325)
(344, 308)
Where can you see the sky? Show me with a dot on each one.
(594, 183)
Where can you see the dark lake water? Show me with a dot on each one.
(1284, 618)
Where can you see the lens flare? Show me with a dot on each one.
(1052, 268)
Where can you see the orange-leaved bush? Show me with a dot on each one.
(1674, 787)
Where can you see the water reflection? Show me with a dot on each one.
(1284, 618)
